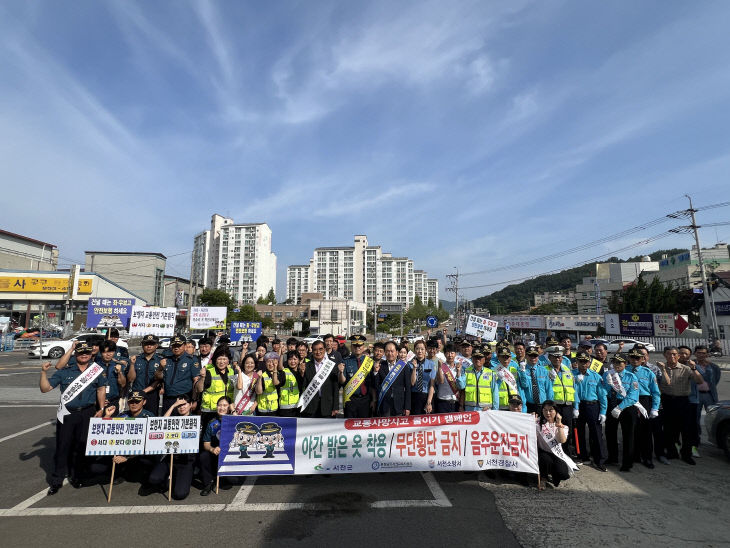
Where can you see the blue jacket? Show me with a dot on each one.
(631, 386)
(590, 388)
(179, 374)
(648, 385)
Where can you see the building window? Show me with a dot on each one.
(333, 315)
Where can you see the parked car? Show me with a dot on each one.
(56, 348)
(310, 340)
(614, 345)
(164, 343)
(717, 423)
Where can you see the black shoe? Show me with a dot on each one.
(625, 468)
(601, 467)
(206, 490)
(689, 460)
(147, 490)
(53, 489)
(648, 464)
(76, 483)
(611, 461)
(118, 480)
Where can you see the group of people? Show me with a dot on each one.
(569, 392)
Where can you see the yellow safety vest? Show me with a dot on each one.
(289, 391)
(563, 389)
(478, 392)
(505, 392)
(268, 400)
(217, 388)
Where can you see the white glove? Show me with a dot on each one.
(601, 419)
(576, 413)
(616, 412)
(654, 413)
(579, 377)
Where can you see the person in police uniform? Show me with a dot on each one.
(180, 374)
(535, 382)
(650, 399)
(363, 400)
(141, 373)
(114, 370)
(621, 411)
(71, 434)
(592, 407)
(481, 388)
(121, 353)
(566, 400)
(504, 358)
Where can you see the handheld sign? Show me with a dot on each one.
(482, 328)
(173, 435)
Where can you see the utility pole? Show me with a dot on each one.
(454, 288)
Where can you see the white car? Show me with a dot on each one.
(310, 340)
(614, 345)
(54, 349)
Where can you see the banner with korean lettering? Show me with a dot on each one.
(208, 317)
(467, 441)
(152, 320)
(248, 331)
(173, 435)
(637, 325)
(109, 312)
(481, 327)
(116, 436)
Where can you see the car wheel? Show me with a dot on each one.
(55, 352)
(723, 438)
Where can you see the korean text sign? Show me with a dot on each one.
(481, 327)
(173, 435)
(450, 441)
(248, 331)
(208, 317)
(109, 312)
(152, 320)
(116, 436)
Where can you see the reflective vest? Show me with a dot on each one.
(563, 389)
(504, 390)
(268, 400)
(478, 392)
(289, 391)
(217, 388)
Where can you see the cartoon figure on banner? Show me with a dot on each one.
(168, 446)
(246, 436)
(270, 438)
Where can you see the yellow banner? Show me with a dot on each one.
(29, 284)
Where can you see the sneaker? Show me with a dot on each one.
(695, 453)
(663, 460)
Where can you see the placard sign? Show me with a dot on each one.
(173, 435)
(248, 331)
(116, 436)
(109, 312)
(152, 320)
(484, 328)
(208, 317)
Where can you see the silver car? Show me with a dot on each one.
(717, 424)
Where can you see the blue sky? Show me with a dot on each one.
(460, 134)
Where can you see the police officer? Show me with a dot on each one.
(114, 370)
(180, 374)
(564, 396)
(535, 382)
(506, 391)
(72, 432)
(122, 353)
(593, 403)
(622, 390)
(422, 371)
(481, 391)
(141, 373)
(650, 398)
(362, 401)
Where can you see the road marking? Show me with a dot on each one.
(35, 498)
(243, 493)
(28, 405)
(440, 499)
(11, 436)
(23, 373)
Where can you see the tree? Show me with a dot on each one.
(288, 323)
(247, 313)
(216, 297)
(267, 323)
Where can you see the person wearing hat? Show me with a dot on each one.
(564, 395)
(446, 388)
(267, 393)
(515, 404)
(423, 369)
(141, 373)
(545, 359)
(650, 399)
(114, 373)
(535, 382)
(622, 391)
(506, 373)
(361, 390)
(71, 434)
(592, 407)
(180, 374)
(121, 353)
(467, 349)
(481, 391)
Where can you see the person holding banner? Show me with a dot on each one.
(551, 434)
(447, 384)
(211, 446)
(83, 390)
(267, 394)
(180, 374)
(319, 385)
(481, 390)
(116, 380)
(354, 375)
(216, 380)
(393, 382)
(244, 402)
(141, 373)
(422, 371)
(622, 389)
(535, 382)
(289, 388)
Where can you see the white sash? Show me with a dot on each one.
(245, 392)
(316, 383)
(507, 377)
(615, 381)
(555, 447)
(76, 387)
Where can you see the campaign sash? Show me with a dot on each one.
(506, 376)
(358, 378)
(557, 449)
(389, 378)
(450, 379)
(244, 398)
(615, 381)
(316, 383)
(76, 387)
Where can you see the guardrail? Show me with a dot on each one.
(661, 342)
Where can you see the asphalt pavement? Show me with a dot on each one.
(676, 505)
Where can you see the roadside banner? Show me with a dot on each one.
(116, 436)
(208, 317)
(481, 327)
(109, 312)
(152, 320)
(248, 331)
(467, 441)
(173, 435)
(637, 325)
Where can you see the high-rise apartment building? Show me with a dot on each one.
(361, 273)
(236, 258)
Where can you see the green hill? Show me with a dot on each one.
(518, 297)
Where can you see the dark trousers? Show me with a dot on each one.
(208, 467)
(418, 403)
(152, 402)
(693, 429)
(445, 406)
(552, 465)
(643, 436)
(677, 422)
(627, 420)
(292, 412)
(534, 408)
(182, 474)
(358, 408)
(71, 446)
(136, 468)
(566, 412)
(589, 419)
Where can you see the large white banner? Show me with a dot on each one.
(441, 442)
(152, 320)
(172, 435)
(208, 317)
(521, 322)
(664, 325)
(116, 436)
(573, 323)
(484, 328)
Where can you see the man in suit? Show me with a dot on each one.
(397, 398)
(325, 403)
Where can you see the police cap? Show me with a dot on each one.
(150, 339)
(136, 395)
(503, 351)
(270, 428)
(585, 343)
(582, 357)
(177, 340)
(82, 348)
(636, 352)
(247, 428)
(619, 358)
(358, 340)
(532, 351)
(551, 341)
(478, 353)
